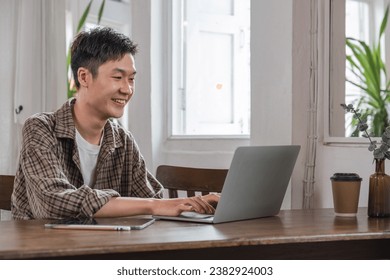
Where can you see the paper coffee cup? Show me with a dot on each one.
(346, 191)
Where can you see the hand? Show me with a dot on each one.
(202, 204)
(212, 199)
(174, 207)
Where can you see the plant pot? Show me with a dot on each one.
(379, 192)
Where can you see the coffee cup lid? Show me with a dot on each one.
(345, 177)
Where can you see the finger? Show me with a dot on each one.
(184, 207)
(196, 204)
(205, 207)
(212, 197)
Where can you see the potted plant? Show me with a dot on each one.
(379, 182)
(367, 65)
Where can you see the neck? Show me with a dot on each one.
(89, 127)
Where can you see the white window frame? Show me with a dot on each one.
(329, 7)
(175, 80)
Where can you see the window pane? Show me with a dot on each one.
(356, 26)
(215, 98)
(358, 19)
(222, 7)
(213, 92)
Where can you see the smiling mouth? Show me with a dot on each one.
(119, 101)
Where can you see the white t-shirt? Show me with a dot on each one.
(88, 158)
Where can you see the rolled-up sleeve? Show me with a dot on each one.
(145, 184)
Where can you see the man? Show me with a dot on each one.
(76, 162)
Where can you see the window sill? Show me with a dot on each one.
(349, 141)
(209, 137)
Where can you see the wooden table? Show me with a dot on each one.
(293, 234)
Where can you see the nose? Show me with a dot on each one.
(127, 88)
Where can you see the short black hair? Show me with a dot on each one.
(92, 48)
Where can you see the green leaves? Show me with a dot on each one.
(367, 66)
(380, 152)
(84, 17)
(384, 22)
(101, 9)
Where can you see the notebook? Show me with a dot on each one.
(254, 187)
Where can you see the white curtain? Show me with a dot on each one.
(40, 59)
(33, 55)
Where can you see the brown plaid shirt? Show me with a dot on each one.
(49, 183)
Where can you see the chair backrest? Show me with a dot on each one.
(191, 180)
(6, 188)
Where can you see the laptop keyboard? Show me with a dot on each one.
(194, 215)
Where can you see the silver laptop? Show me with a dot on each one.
(254, 187)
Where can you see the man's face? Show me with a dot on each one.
(112, 87)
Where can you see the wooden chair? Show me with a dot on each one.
(6, 188)
(191, 180)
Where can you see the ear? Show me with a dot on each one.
(83, 75)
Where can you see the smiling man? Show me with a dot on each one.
(77, 162)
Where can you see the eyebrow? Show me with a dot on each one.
(123, 72)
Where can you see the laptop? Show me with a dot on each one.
(254, 187)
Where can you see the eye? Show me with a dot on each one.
(117, 77)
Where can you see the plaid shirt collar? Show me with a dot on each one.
(65, 127)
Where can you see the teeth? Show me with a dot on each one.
(120, 101)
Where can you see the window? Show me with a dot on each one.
(356, 26)
(211, 67)
(359, 19)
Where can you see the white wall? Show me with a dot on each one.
(140, 115)
(271, 75)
